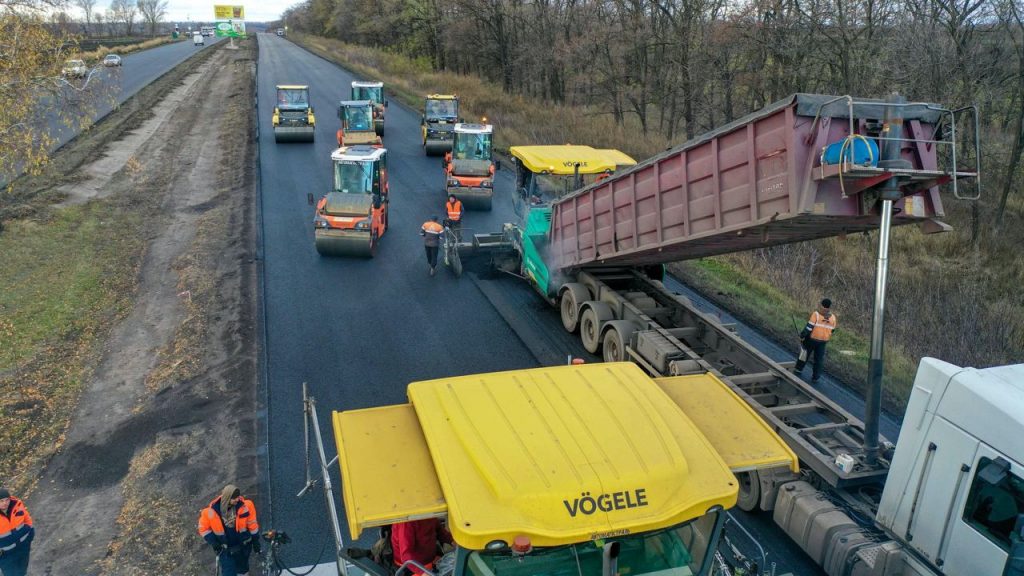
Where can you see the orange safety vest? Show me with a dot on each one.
(431, 227)
(211, 526)
(15, 526)
(822, 326)
(454, 210)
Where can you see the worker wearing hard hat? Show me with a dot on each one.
(815, 335)
(229, 526)
(16, 534)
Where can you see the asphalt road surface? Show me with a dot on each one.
(358, 331)
(137, 71)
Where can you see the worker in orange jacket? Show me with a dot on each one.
(431, 232)
(229, 526)
(16, 535)
(454, 209)
(814, 337)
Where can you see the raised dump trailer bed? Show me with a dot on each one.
(762, 180)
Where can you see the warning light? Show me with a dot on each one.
(521, 545)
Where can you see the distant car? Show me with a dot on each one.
(280, 31)
(75, 69)
(112, 60)
(197, 39)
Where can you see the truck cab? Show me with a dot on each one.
(440, 114)
(545, 174)
(351, 219)
(357, 124)
(469, 167)
(578, 469)
(955, 488)
(374, 92)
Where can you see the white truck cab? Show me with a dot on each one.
(956, 484)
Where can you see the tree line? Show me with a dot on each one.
(681, 67)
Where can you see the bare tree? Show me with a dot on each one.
(87, 7)
(152, 11)
(124, 12)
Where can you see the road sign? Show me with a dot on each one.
(228, 12)
(229, 29)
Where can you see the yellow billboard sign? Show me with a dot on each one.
(225, 12)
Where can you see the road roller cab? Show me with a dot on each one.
(350, 219)
(469, 168)
(293, 118)
(440, 114)
(357, 124)
(374, 92)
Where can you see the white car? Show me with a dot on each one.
(75, 69)
(197, 39)
(112, 60)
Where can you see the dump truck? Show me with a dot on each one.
(440, 114)
(351, 219)
(357, 124)
(374, 92)
(469, 167)
(579, 469)
(293, 118)
(595, 233)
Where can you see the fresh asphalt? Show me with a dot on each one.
(357, 331)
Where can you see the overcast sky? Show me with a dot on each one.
(202, 10)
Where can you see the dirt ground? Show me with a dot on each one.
(168, 415)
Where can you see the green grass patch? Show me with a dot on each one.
(65, 280)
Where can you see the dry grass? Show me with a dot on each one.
(946, 299)
(102, 50)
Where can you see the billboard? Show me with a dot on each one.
(229, 29)
(226, 12)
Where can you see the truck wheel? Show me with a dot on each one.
(749, 498)
(595, 314)
(573, 294)
(616, 335)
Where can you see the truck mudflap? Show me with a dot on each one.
(372, 445)
(333, 242)
(293, 133)
(742, 438)
(473, 198)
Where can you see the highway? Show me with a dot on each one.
(358, 331)
(137, 71)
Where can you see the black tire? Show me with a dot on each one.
(570, 306)
(613, 346)
(749, 498)
(592, 320)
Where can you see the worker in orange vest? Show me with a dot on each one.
(431, 232)
(454, 209)
(229, 526)
(815, 335)
(16, 535)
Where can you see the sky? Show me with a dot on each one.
(202, 10)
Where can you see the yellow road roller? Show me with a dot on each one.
(293, 116)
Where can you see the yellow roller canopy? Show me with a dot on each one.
(742, 439)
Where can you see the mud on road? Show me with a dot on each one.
(167, 416)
